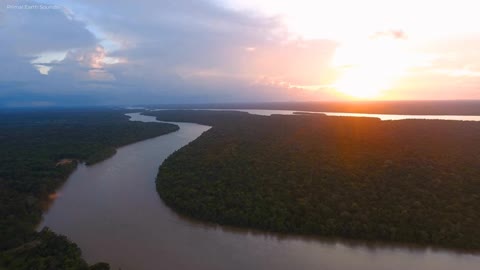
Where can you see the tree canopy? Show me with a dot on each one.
(39, 149)
(415, 181)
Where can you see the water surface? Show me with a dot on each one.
(113, 212)
(384, 117)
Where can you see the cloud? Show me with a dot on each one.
(395, 34)
(33, 31)
(196, 48)
(186, 51)
(181, 51)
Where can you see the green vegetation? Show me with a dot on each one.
(415, 181)
(47, 250)
(38, 152)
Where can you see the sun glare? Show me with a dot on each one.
(367, 69)
(358, 83)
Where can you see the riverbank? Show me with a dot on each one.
(113, 212)
(358, 178)
(33, 143)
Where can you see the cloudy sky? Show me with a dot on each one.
(88, 52)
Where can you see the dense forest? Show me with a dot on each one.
(47, 250)
(415, 181)
(39, 149)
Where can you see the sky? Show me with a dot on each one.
(100, 52)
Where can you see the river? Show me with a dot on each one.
(113, 212)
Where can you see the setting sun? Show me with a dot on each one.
(359, 83)
(368, 68)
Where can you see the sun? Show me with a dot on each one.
(363, 82)
(367, 69)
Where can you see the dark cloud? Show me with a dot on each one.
(33, 31)
(29, 29)
(180, 51)
(183, 32)
(15, 67)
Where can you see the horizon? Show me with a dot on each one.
(466, 108)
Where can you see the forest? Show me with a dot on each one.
(39, 149)
(408, 181)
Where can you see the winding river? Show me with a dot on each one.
(113, 212)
